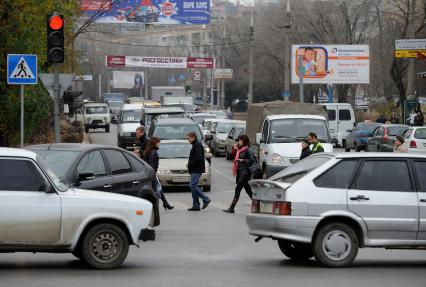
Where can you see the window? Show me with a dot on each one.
(117, 162)
(331, 115)
(138, 166)
(396, 131)
(299, 169)
(20, 175)
(338, 176)
(345, 115)
(379, 132)
(231, 133)
(59, 161)
(420, 167)
(265, 131)
(408, 133)
(420, 134)
(224, 128)
(96, 110)
(92, 162)
(384, 175)
(295, 129)
(176, 131)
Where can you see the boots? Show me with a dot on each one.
(166, 205)
(231, 208)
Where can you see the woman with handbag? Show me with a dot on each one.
(244, 163)
(152, 158)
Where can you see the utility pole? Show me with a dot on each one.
(250, 87)
(223, 64)
(287, 55)
(411, 77)
(205, 89)
(56, 98)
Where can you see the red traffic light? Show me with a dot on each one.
(56, 22)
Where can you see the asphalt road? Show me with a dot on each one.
(211, 248)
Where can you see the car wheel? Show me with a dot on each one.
(107, 129)
(295, 250)
(356, 148)
(86, 129)
(105, 246)
(207, 188)
(336, 245)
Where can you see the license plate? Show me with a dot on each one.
(265, 207)
(181, 179)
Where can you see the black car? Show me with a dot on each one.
(102, 168)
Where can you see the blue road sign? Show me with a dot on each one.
(21, 69)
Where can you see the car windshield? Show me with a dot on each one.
(220, 114)
(420, 134)
(224, 128)
(96, 110)
(116, 104)
(176, 131)
(53, 176)
(396, 131)
(199, 119)
(298, 170)
(174, 150)
(293, 130)
(131, 116)
(58, 161)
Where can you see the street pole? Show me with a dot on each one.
(301, 91)
(212, 85)
(251, 48)
(411, 72)
(205, 89)
(223, 63)
(22, 116)
(146, 84)
(56, 90)
(287, 56)
(100, 86)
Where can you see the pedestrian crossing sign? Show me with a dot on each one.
(21, 69)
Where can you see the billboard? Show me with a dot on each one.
(149, 11)
(159, 62)
(331, 64)
(133, 81)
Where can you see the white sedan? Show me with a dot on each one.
(39, 213)
(415, 139)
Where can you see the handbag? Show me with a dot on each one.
(255, 170)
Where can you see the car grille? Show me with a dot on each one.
(180, 171)
(97, 122)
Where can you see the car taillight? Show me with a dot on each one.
(281, 208)
(255, 206)
(386, 137)
(413, 144)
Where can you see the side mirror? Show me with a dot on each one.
(86, 175)
(258, 138)
(208, 137)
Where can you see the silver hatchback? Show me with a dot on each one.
(330, 205)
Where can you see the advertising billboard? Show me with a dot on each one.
(159, 62)
(331, 64)
(149, 11)
(133, 81)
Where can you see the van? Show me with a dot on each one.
(341, 119)
(96, 115)
(128, 122)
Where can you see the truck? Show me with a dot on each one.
(167, 91)
(186, 102)
(115, 101)
(277, 128)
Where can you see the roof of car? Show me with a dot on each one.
(16, 152)
(394, 125)
(226, 121)
(176, 121)
(296, 116)
(90, 104)
(132, 106)
(374, 155)
(68, 146)
(202, 115)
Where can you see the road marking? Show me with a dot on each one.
(231, 179)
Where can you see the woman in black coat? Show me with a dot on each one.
(306, 150)
(243, 162)
(152, 158)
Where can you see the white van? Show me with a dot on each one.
(280, 140)
(341, 119)
(128, 122)
(96, 115)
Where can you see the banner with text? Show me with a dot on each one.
(331, 64)
(149, 11)
(159, 62)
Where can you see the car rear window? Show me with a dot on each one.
(339, 176)
(299, 169)
(396, 131)
(420, 134)
(59, 161)
(176, 131)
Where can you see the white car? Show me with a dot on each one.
(128, 122)
(39, 213)
(96, 115)
(415, 139)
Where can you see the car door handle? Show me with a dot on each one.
(136, 182)
(423, 200)
(360, 197)
(107, 186)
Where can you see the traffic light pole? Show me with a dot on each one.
(56, 97)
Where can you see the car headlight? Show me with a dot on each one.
(127, 134)
(206, 150)
(163, 171)
(277, 159)
(89, 119)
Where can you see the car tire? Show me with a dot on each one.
(342, 239)
(207, 188)
(86, 129)
(109, 239)
(356, 148)
(107, 129)
(295, 250)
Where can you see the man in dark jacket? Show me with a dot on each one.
(419, 119)
(142, 140)
(196, 167)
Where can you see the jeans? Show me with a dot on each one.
(197, 193)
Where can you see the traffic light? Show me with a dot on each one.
(55, 39)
